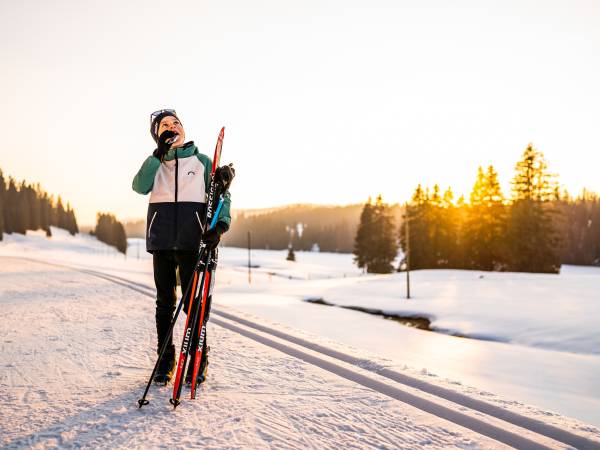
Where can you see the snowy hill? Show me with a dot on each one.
(77, 342)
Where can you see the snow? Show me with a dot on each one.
(533, 364)
(77, 351)
(557, 312)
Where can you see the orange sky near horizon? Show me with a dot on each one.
(324, 101)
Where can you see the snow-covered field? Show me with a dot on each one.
(546, 311)
(76, 350)
(538, 336)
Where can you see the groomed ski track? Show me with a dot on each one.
(499, 424)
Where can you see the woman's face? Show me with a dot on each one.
(173, 124)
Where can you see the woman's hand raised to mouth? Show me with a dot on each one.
(166, 139)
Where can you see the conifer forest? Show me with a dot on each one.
(26, 206)
(535, 227)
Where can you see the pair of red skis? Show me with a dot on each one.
(194, 325)
(197, 292)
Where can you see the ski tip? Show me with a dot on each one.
(222, 133)
(142, 402)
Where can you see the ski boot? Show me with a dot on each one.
(202, 371)
(165, 370)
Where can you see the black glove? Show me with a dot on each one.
(224, 175)
(163, 146)
(212, 237)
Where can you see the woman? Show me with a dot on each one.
(177, 177)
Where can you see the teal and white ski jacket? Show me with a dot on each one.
(178, 190)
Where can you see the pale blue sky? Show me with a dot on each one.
(323, 101)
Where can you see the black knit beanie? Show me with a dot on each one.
(156, 123)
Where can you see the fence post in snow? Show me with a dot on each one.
(249, 266)
(407, 257)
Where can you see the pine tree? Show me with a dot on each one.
(45, 212)
(364, 241)
(104, 230)
(460, 217)
(474, 234)
(448, 198)
(433, 218)
(419, 230)
(60, 219)
(419, 197)
(24, 210)
(581, 229)
(594, 231)
(34, 208)
(485, 224)
(532, 180)
(71, 221)
(54, 219)
(433, 230)
(496, 221)
(477, 193)
(449, 230)
(386, 245)
(14, 224)
(435, 199)
(110, 231)
(120, 237)
(63, 218)
(534, 240)
(493, 192)
(375, 244)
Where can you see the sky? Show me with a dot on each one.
(324, 101)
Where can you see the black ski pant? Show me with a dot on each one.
(165, 264)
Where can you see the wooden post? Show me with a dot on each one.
(407, 258)
(249, 262)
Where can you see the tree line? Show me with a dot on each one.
(536, 229)
(581, 227)
(305, 227)
(26, 206)
(110, 231)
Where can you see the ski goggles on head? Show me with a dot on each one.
(155, 114)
